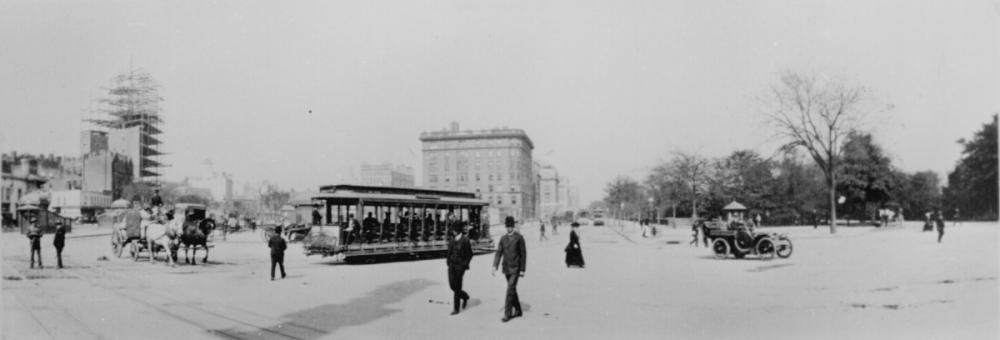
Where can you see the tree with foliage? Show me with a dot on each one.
(743, 176)
(972, 186)
(918, 193)
(799, 190)
(815, 115)
(623, 196)
(866, 176)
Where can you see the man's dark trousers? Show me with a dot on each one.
(455, 282)
(513, 303)
(36, 248)
(278, 259)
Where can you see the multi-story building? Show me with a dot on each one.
(496, 164)
(136, 140)
(219, 185)
(387, 174)
(20, 177)
(549, 200)
(93, 141)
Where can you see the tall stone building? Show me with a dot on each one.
(387, 175)
(496, 164)
(549, 200)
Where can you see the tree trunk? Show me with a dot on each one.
(831, 185)
(673, 221)
(694, 209)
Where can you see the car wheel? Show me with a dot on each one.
(721, 248)
(765, 249)
(784, 249)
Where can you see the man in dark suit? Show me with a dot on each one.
(514, 254)
(277, 245)
(459, 256)
(59, 242)
(35, 238)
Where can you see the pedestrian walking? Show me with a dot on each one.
(35, 237)
(512, 251)
(278, 246)
(555, 228)
(694, 235)
(940, 224)
(459, 256)
(541, 233)
(756, 221)
(704, 233)
(574, 254)
(59, 242)
(954, 218)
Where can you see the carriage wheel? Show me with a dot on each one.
(765, 249)
(721, 248)
(784, 249)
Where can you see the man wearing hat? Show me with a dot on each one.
(59, 242)
(459, 256)
(511, 248)
(277, 245)
(35, 237)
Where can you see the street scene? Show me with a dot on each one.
(500, 170)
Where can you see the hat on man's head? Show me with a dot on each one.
(33, 219)
(509, 221)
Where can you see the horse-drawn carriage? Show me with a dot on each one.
(737, 237)
(142, 231)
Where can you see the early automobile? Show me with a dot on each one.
(598, 223)
(737, 237)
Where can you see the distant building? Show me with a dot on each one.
(219, 185)
(78, 203)
(19, 178)
(549, 202)
(93, 141)
(107, 173)
(494, 163)
(387, 174)
(139, 144)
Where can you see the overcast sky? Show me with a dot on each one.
(603, 88)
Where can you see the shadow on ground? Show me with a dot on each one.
(322, 320)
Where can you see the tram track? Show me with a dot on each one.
(200, 317)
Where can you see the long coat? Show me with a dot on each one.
(574, 254)
(459, 253)
(515, 255)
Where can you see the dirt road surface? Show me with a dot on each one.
(861, 283)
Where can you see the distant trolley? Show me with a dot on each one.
(368, 223)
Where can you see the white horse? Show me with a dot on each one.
(162, 234)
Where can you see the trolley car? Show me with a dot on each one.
(368, 223)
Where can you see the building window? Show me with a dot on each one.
(513, 200)
(511, 188)
(499, 200)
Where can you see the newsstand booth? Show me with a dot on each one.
(46, 219)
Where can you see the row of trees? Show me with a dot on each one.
(848, 171)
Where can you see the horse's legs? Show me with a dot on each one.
(205, 260)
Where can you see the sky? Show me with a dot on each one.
(603, 88)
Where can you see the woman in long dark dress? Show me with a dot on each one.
(574, 255)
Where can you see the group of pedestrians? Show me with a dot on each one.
(35, 239)
(510, 258)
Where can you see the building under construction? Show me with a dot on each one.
(132, 124)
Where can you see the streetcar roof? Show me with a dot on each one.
(352, 193)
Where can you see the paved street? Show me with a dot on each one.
(901, 283)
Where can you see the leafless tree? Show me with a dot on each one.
(816, 114)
